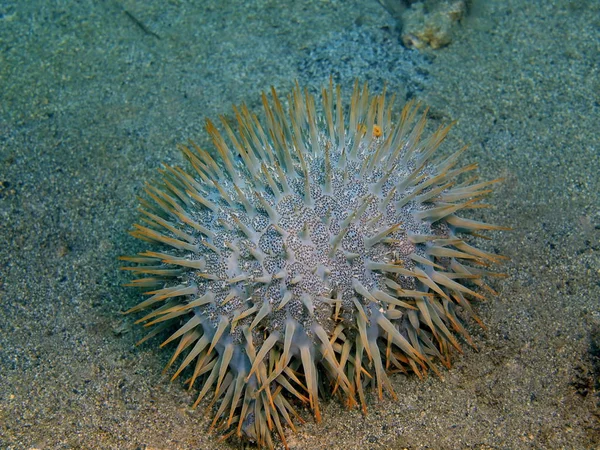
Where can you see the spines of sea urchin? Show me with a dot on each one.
(313, 252)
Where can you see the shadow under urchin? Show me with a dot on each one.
(313, 252)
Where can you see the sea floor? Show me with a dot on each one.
(94, 96)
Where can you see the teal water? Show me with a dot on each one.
(95, 95)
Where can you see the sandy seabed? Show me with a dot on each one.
(95, 95)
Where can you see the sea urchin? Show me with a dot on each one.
(310, 254)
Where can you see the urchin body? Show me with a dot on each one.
(311, 252)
